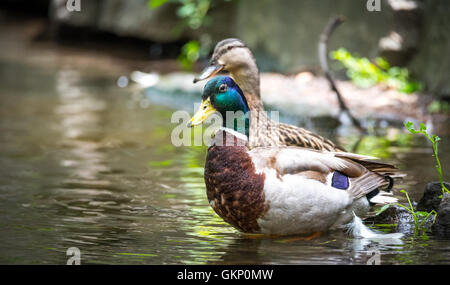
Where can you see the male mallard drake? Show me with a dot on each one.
(234, 56)
(284, 189)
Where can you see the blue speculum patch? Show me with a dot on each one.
(339, 180)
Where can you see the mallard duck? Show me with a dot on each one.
(233, 56)
(279, 190)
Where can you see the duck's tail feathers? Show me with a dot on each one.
(357, 229)
(383, 198)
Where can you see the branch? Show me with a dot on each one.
(323, 59)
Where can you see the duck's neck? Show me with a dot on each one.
(239, 124)
(235, 113)
(247, 77)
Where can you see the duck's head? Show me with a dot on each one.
(233, 56)
(221, 94)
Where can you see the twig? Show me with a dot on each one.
(323, 58)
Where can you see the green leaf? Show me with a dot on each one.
(422, 214)
(154, 4)
(163, 163)
(382, 209)
(190, 53)
(404, 207)
(410, 127)
(364, 73)
(423, 128)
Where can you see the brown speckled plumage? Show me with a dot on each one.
(265, 132)
(234, 190)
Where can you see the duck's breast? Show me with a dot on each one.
(235, 191)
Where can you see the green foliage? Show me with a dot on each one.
(193, 15)
(163, 163)
(153, 4)
(434, 139)
(190, 53)
(193, 12)
(381, 145)
(439, 107)
(365, 73)
(417, 215)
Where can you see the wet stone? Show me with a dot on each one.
(442, 224)
(431, 197)
(395, 215)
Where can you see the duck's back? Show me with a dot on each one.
(265, 132)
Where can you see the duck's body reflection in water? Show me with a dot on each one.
(336, 246)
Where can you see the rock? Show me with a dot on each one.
(136, 19)
(392, 215)
(432, 48)
(430, 200)
(442, 225)
(406, 23)
(395, 215)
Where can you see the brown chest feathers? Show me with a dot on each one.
(233, 188)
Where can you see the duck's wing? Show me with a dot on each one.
(296, 136)
(355, 173)
(369, 163)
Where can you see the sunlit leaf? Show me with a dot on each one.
(382, 209)
(364, 73)
(163, 163)
(154, 4)
(410, 127)
(423, 127)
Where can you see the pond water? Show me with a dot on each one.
(84, 163)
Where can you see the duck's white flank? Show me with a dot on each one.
(301, 205)
(298, 204)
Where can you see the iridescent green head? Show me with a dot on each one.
(221, 94)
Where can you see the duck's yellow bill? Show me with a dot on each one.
(206, 109)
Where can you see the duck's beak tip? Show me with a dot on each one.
(208, 72)
(189, 124)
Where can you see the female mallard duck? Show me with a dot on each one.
(234, 56)
(279, 190)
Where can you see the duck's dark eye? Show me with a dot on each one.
(223, 88)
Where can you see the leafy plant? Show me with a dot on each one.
(381, 145)
(434, 139)
(193, 14)
(365, 73)
(190, 53)
(439, 107)
(418, 225)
